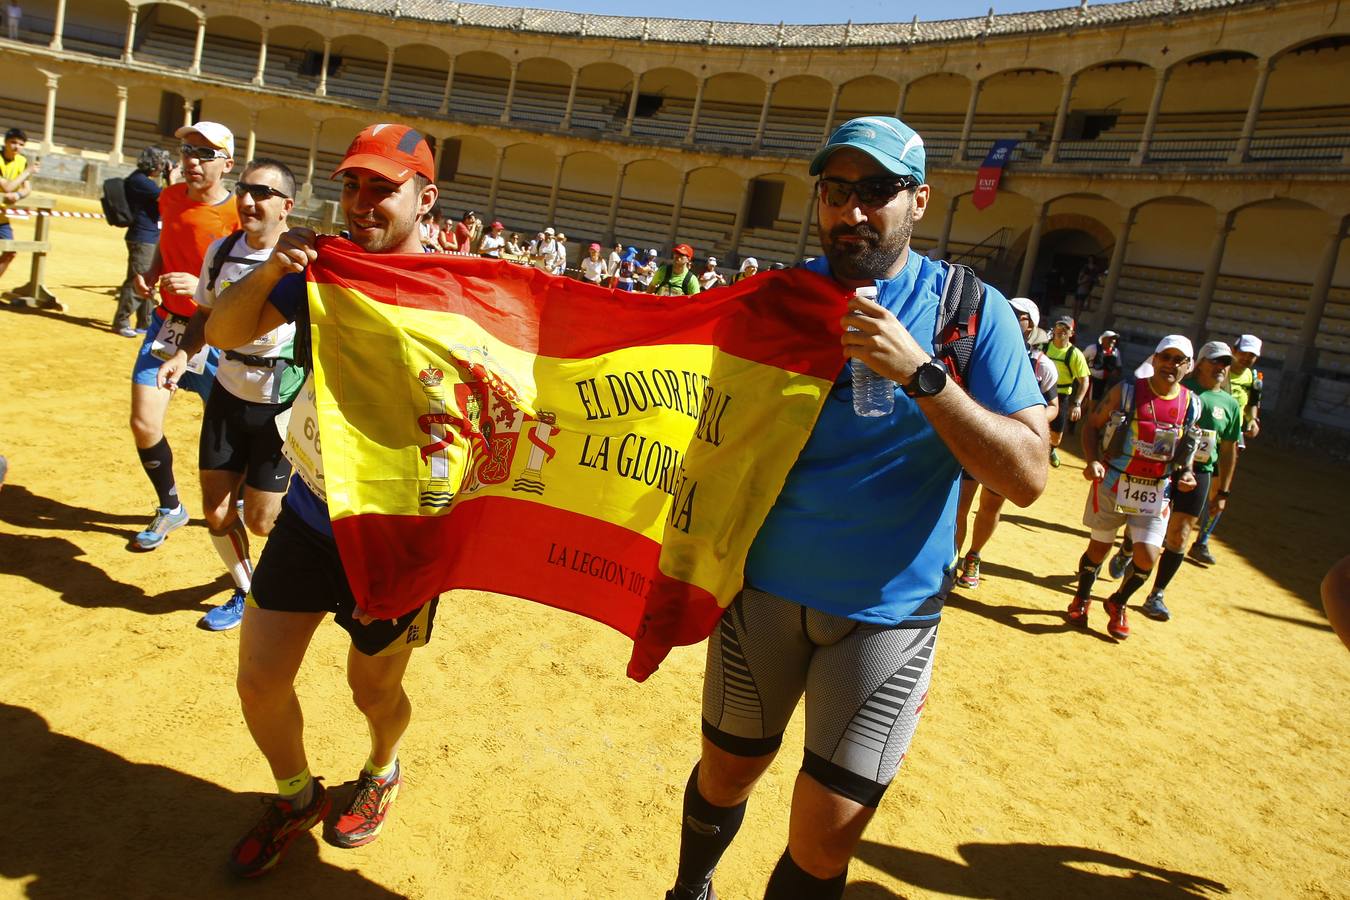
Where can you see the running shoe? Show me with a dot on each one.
(1054, 457)
(1116, 567)
(1200, 553)
(1155, 609)
(261, 849)
(361, 822)
(227, 615)
(1117, 622)
(125, 331)
(1078, 610)
(970, 571)
(679, 893)
(164, 521)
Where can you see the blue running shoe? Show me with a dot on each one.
(1155, 609)
(1116, 567)
(165, 520)
(225, 616)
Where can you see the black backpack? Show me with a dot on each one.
(116, 209)
(958, 320)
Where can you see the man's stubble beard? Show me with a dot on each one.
(878, 254)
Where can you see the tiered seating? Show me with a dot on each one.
(166, 46)
(77, 129)
(1152, 301)
(770, 245)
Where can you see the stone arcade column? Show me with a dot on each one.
(946, 236)
(496, 184)
(1033, 250)
(566, 123)
(1114, 270)
(307, 190)
(444, 108)
(251, 147)
(1263, 69)
(632, 105)
(59, 25)
(1151, 121)
(119, 126)
(808, 216)
(553, 191)
(764, 116)
(679, 205)
(614, 204)
(322, 89)
(510, 93)
(969, 122)
(262, 60)
(188, 103)
(196, 67)
(131, 34)
(829, 115)
(1199, 324)
(1061, 116)
(698, 108)
(1301, 359)
(49, 116)
(388, 76)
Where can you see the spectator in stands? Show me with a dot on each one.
(560, 257)
(429, 230)
(514, 247)
(749, 266)
(468, 231)
(1087, 280)
(154, 169)
(15, 184)
(493, 243)
(594, 268)
(625, 277)
(449, 241)
(676, 278)
(777, 267)
(613, 260)
(13, 13)
(1104, 365)
(544, 250)
(646, 270)
(711, 278)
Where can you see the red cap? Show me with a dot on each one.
(392, 151)
(496, 225)
(683, 250)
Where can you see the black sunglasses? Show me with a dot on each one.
(259, 192)
(872, 192)
(205, 154)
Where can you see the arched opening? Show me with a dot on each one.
(26, 106)
(773, 223)
(935, 107)
(1107, 111)
(870, 95)
(282, 135)
(166, 34)
(647, 201)
(1204, 107)
(527, 177)
(234, 116)
(585, 187)
(479, 92)
(665, 103)
(712, 197)
(294, 57)
(418, 80)
(356, 68)
(602, 97)
(1015, 103)
(230, 48)
(542, 85)
(91, 26)
(796, 119)
(1305, 114)
(465, 178)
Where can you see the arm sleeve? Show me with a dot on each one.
(289, 294)
(1000, 376)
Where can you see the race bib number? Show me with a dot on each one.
(1140, 496)
(299, 426)
(1164, 445)
(170, 337)
(1204, 449)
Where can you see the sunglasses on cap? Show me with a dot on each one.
(871, 192)
(259, 192)
(204, 154)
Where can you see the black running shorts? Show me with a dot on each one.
(241, 436)
(865, 687)
(1192, 503)
(300, 571)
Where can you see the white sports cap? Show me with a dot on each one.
(1215, 350)
(549, 231)
(1108, 334)
(1248, 343)
(1176, 342)
(1027, 307)
(214, 133)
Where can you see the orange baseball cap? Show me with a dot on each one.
(683, 250)
(395, 152)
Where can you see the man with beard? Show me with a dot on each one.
(387, 186)
(845, 581)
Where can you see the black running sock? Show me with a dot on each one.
(1087, 576)
(1127, 545)
(158, 463)
(1134, 579)
(707, 832)
(790, 881)
(1167, 567)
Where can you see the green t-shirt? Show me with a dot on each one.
(1070, 363)
(1220, 420)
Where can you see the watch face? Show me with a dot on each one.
(931, 377)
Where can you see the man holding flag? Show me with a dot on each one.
(845, 581)
(387, 186)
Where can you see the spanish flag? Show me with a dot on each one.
(492, 427)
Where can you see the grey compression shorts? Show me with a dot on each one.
(865, 687)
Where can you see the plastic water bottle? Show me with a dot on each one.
(873, 395)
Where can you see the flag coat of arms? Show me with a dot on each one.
(490, 426)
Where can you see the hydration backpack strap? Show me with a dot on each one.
(958, 320)
(221, 258)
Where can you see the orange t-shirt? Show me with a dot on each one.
(188, 229)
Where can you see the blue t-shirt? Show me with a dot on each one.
(143, 198)
(290, 296)
(866, 522)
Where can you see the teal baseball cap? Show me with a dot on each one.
(892, 143)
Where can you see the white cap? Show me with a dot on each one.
(1215, 350)
(1176, 342)
(712, 260)
(1027, 307)
(1248, 343)
(1108, 334)
(214, 133)
(1145, 369)
(748, 262)
(549, 231)
(652, 252)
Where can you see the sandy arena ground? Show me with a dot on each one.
(1206, 756)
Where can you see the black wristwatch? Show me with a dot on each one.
(928, 379)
